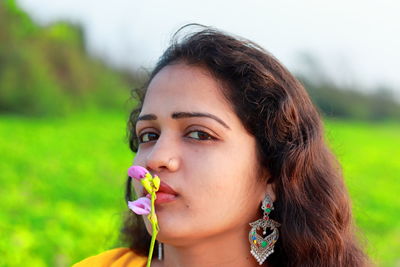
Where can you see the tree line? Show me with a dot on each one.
(46, 71)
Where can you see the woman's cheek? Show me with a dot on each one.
(137, 187)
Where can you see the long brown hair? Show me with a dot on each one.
(312, 203)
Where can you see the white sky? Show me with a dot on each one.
(356, 41)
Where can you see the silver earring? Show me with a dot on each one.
(160, 251)
(262, 247)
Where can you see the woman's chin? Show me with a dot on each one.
(167, 223)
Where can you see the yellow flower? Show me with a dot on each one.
(147, 183)
(156, 182)
(151, 184)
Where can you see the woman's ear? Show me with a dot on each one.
(270, 186)
(270, 190)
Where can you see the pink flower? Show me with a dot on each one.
(137, 172)
(141, 206)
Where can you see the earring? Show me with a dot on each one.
(262, 247)
(160, 251)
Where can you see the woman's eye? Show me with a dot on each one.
(147, 137)
(200, 135)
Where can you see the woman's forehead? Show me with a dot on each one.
(184, 80)
(180, 87)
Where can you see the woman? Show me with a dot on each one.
(238, 145)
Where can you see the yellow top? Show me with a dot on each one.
(118, 257)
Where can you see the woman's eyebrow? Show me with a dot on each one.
(147, 117)
(181, 115)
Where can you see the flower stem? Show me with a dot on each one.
(154, 225)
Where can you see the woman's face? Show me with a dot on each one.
(210, 162)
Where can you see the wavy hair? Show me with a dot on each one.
(312, 203)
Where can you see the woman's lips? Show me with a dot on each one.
(164, 197)
(164, 194)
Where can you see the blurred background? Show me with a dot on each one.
(66, 71)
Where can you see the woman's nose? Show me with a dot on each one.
(163, 156)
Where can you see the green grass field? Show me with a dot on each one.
(62, 182)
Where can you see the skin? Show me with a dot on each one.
(212, 167)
